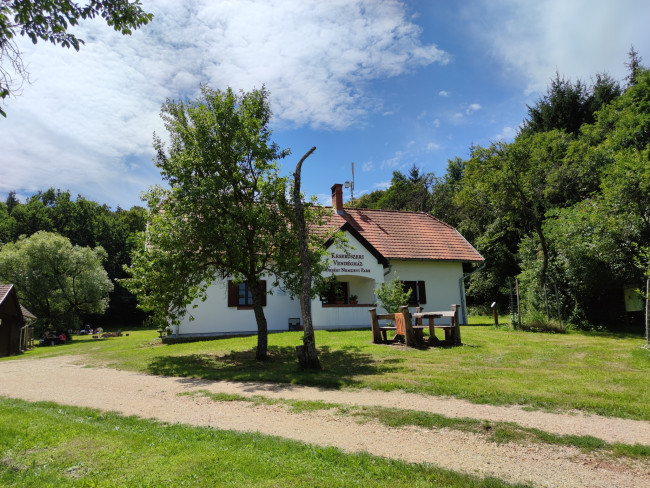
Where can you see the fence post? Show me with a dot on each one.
(495, 313)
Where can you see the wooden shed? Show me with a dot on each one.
(14, 328)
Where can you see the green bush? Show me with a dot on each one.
(392, 295)
(536, 321)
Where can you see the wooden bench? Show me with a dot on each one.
(404, 329)
(379, 333)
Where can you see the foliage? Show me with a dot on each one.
(56, 281)
(392, 295)
(50, 21)
(566, 204)
(226, 212)
(85, 223)
(406, 192)
(567, 105)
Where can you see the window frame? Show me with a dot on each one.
(234, 294)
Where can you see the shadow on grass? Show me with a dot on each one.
(340, 367)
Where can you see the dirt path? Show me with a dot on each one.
(65, 380)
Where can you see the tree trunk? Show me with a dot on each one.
(307, 353)
(647, 312)
(542, 241)
(262, 330)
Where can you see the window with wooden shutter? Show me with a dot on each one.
(418, 292)
(422, 293)
(232, 294)
(240, 296)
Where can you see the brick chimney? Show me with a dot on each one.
(337, 198)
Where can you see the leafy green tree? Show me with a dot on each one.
(11, 201)
(32, 216)
(568, 105)
(7, 225)
(56, 281)
(633, 65)
(392, 294)
(443, 191)
(223, 215)
(513, 181)
(408, 192)
(50, 21)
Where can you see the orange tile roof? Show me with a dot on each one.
(407, 235)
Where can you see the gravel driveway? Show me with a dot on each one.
(65, 380)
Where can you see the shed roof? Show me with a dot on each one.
(4, 291)
(27, 314)
(406, 235)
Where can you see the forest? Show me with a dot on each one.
(86, 224)
(564, 208)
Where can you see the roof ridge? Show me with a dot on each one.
(389, 211)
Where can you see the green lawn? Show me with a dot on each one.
(47, 445)
(594, 372)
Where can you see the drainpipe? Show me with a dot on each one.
(461, 286)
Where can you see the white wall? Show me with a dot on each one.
(214, 316)
(440, 277)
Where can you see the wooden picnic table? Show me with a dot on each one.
(452, 330)
(413, 332)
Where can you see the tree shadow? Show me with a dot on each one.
(341, 367)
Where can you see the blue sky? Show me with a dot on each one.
(384, 84)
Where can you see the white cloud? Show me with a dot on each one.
(578, 38)
(87, 121)
(432, 146)
(443, 93)
(436, 123)
(367, 166)
(382, 185)
(472, 108)
(394, 162)
(507, 134)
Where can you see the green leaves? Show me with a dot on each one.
(225, 213)
(56, 280)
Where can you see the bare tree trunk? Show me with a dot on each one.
(307, 353)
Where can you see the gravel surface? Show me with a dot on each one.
(65, 380)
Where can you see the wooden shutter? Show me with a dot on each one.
(262, 284)
(233, 294)
(422, 294)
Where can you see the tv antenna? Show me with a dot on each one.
(350, 185)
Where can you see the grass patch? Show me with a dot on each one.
(44, 444)
(295, 406)
(497, 432)
(595, 372)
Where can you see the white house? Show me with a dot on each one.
(424, 252)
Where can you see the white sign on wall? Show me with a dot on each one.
(347, 263)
